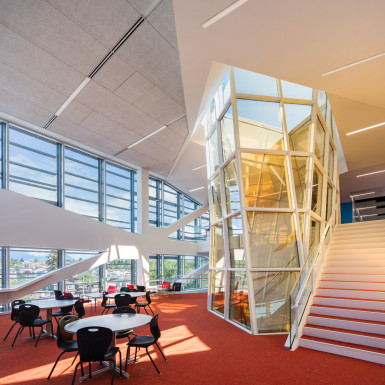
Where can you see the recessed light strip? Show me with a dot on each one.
(353, 64)
(198, 168)
(146, 137)
(196, 189)
(232, 7)
(368, 215)
(370, 173)
(366, 128)
(369, 207)
(358, 195)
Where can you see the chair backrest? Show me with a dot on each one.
(165, 285)
(93, 343)
(28, 314)
(104, 300)
(15, 313)
(58, 294)
(66, 309)
(141, 288)
(122, 299)
(177, 286)
(154, 327)
(62, 335)
(111, 289)
(131, 287)
(79, 308)
(148, 298)
(68, 294)
(124, 289)
(124, 310)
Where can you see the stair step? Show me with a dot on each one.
(355, 257)
(378, 223)
(367, 304)
(355, 285)
(353, 277)
(354, 270)
(356, 263)
(358, 325)
(371, 233)
(357, 250)
(352, 293)
(349, 312)
(344, 349)
(357, 245)
(348, 336)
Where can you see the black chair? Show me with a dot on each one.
(66, 310)
(143, 305)
(176, 287)
(79, 308)
(122, 299)
(124, 310)
(124, 289)
(59, 295)
(15, 314)
(141, 288)
(29, 317)
(105, 305)
(146, 341)
(94, 346)
(65, 340)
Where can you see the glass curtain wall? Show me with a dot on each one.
(273, 190)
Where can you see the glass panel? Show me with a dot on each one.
(87, 282)
(299, 164)
(81, 183)
(265, 180)
(2, 126)
(155, 202)
(118, 196)
(213, 153)
(26, 264)
(329, 117)
(218, 291)
(237, 252)
(228, 140)
(319, 147)
(231, 187)
(315, 236)
(296, 91)
(322, 98)
(170, 266)
(218, 247)
(272, 239)
(216, 209)
(329, 202)
(33, 165)
(247, 82)
(331, 162)
(272, 304)
(171, 205)
(239, 298)
(119, 272)
(298, 119)
(260, 125)
(316, 195)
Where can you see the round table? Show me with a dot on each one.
(49, 304)
(133, 294)
(115, 322)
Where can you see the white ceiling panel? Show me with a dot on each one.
(107, 21)
(159, 106)
(106, 127)
(41, 23)
(70, 130)
(168, 140)
(134, 87)
(144, 160)
(142, 5)
(21, 108)
(29, 89)
(162, 19)
(75, 112)
(114, 73)
(180, 127)
(29, 59)
(106, 103)
(156, 59)
(164, 154)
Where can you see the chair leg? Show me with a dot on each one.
(10, 330)
(127, 356)
(160, 350)
(120, 359)
(81, 367)
(152, 361)
(74, 376)
(53, 334)
(19, 331)
(75, 358)
(145, 310)
(89, 370)
(151, 309)
(54, 366)
(113, 372)
(138, 309)
(38, 338)
(103, 311)
(136, 352)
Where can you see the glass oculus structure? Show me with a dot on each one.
(273, 189)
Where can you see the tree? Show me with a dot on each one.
(52, 261)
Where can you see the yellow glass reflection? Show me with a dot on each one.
(213, 154)
(237, 252)
(273, 242)
(265, 180)
(272, 305)
(231, 187)
(239, 298)
(218, 247)
(314, 240)
(299, 165)
(216, 207)
(316, 195)
(298, 119)
(218, 291)
(331, 162)
(329, 202)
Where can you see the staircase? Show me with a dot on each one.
(347, 316)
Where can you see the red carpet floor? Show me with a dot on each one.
(200, 349)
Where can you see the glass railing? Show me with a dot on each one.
(199, 283)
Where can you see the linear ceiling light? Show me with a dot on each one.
(198, 168)
(196, 189)
(146, 137)
(365, 129)
(358, 195)
(73, 96)
(353, 64)
(232, 7)
(369, 207)
(368, 215)
(370, 173)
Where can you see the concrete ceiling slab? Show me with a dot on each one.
(75, 112)
(134, 87)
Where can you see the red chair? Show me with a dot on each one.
(111, 289)
(131, 287)
(165, 285)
